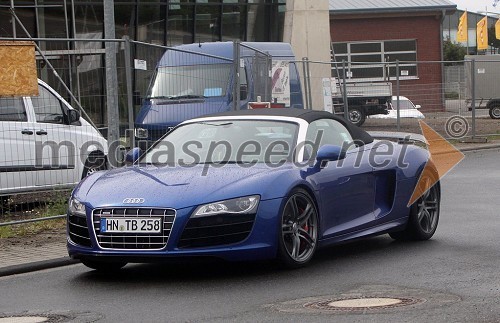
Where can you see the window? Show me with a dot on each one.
(12, 110)
(374, 61)
(329, 132)
(47, 107)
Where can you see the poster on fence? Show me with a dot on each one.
(18, 75)
(280, 82)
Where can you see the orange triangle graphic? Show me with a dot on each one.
(443, 155)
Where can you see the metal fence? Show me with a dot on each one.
(47, 152)
(441, 91)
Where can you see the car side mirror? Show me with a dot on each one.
(73, 116)
(418, 106)
(328, 153)
(133, 155)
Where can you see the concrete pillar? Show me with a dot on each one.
(307, 28)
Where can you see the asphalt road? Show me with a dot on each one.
(455, 277)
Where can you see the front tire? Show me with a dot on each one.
(495, 111)
(424, 217)
(102, 266)
(356, 116)
(298, 231)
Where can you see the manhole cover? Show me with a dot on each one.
(24, 319)
(367, 299)
(363, 304)
(51, 318)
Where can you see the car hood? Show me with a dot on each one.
(180, 187)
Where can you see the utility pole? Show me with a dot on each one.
(111, 84)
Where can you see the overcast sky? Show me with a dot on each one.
(477, 5)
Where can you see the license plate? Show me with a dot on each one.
(131, 225)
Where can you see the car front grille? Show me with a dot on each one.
(133, 241)
(78, 230)
(216, 230)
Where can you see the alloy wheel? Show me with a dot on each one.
(428, 209)
(299, 227)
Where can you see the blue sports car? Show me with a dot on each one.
(249, 185)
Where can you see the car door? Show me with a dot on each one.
(17, 146)
(346, 187)
(54, 140)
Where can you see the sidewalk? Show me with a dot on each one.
(20, 258)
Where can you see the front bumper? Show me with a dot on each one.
(260, 244)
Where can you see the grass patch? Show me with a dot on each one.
(56, 204)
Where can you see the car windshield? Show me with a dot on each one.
(198, 81)
(225, 141)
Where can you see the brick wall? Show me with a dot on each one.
(427, 89)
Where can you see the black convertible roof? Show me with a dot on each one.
(357, 133)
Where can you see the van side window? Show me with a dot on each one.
(47, 107)
(12, 109)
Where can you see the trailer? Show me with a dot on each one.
(486, 89)
(363, 99)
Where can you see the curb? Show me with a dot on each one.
(495, 146)
(35, 266)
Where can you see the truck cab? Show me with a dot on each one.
(197, 79)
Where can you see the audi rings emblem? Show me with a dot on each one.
(133, 200)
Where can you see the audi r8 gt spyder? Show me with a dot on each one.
(252, 185)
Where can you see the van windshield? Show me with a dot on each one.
(198, 81)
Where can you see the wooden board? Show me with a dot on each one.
(18, 76)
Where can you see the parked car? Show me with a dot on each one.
(45, 143)
(407, 110)
(277, 199)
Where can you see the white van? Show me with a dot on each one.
(45, 144)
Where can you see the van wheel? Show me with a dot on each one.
(495, 111)
(94, 164)
(356, 116)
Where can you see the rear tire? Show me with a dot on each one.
(102, 266)
(94, 164)
(356, 116)
(424, 217)
(495, 111)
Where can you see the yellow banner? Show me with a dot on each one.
(462, 35)
(482, 34)
(497, 29)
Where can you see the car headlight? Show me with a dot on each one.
(240, 205)
(141, 133)
(76, 207)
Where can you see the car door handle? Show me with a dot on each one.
(27, 132)
(41, 132)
